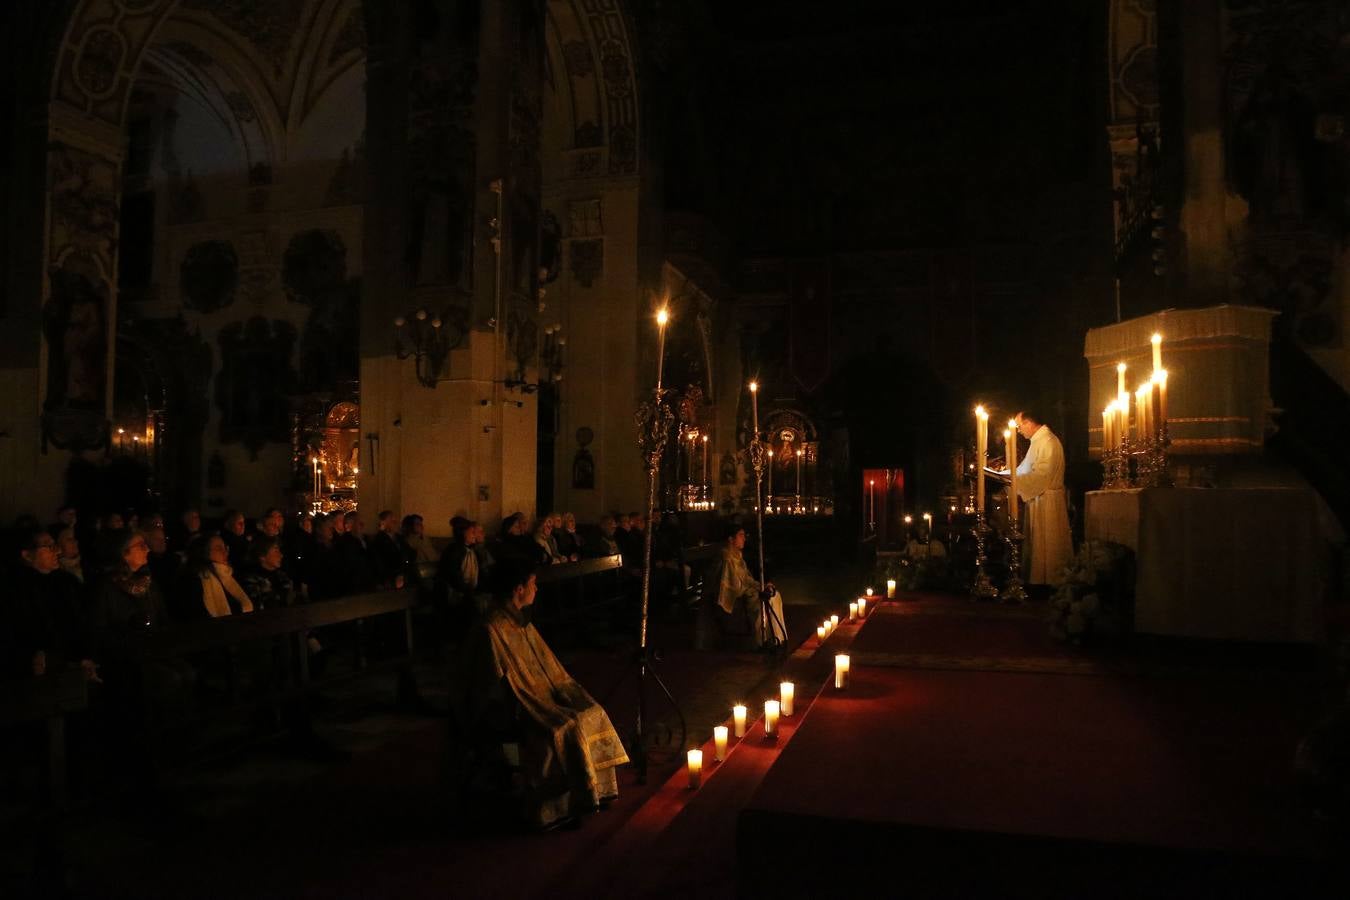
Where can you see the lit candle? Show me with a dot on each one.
(738, 719)
(868, 592)
(890, 588)
(928, 524)
(862, 607)
(981, 452)
(695, 768)
(769, 493)
(720, 743)
(787, 691)
(1120, 379)
(1142, 396)
(841, 671)
(1108, 443)
(853, 611)
(871, 501)
(1157, 351)
(662, 317)
(834, 623)
(820, 632)
(771, 708)
(705, 459)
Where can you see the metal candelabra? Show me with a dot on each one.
(1014, 591)
(654, 420)
(981, 588)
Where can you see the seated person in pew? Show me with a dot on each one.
(739, 596)
(41, 617)
(514, 686)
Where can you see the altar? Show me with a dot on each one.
(1238, 564)
(1223, 551)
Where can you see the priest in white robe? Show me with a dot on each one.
(1040, 484)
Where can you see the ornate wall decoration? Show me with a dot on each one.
(208, 276)
(587, 260)
(583, 463)
(577, 57)
(314, 273)
(1285, 80)
(75, 322)
(584, 218)
(610, 33)
(269, 25)
(83, 200)
(1132, 48)
(101, 56)
(253, 383)
(550, 248)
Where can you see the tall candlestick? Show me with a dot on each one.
(705, 459)
(738, 719)
(853, 611)
(769, 493)
(890, 588)
(1120, 379)
(1010, 455)
(662, 317)
(1157, 351)
(871, 501)
(862, 607)
(1142, 396)
(695, 758)
(981, 452)
(1107, 446)
(787, 693)
(720, 743)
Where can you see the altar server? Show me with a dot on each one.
(1040, 483)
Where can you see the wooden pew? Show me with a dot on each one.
(47, 699)
(572, 590)
(288, 627)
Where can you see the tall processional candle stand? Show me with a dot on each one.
(654, 421)
(982, 588)
(1013, 591)
(758, 455)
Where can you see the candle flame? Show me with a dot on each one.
(1160, 377)
(927, 516)
(754, 386)
(1012, 423)
(979, 411)
(1157, 338)
(662, 317)
(705, 439)
(1007, 434)
(1120, 367)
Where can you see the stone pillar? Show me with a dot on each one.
(446, 83)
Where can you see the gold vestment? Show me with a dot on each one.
(569, 750)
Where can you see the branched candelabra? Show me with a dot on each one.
(1137, 463)
(1014, 591)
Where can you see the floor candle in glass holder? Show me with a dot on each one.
(771, 709)
(862, 607)
(720, 743)
(853, 611)
(890, 589)
(738, 719)
(695, 768)
(787, 692)
(841, 671)
(834, 622)
(868, 592)
(820, 632)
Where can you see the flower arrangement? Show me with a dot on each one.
(1097, 596)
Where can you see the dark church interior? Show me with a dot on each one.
(665, 448)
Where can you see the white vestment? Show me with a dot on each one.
(1040, 482)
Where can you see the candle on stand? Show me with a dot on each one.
(315, 461)
(695, 768)
(862, 607)
(841, 671)
(738, 719)
(981, 452)
(769, 493)
(834, 623)
(820, 632)
(1120, 379)
(853, 611)
(928, 526)
(662, 317)
(720, 743)
(705, 459)
(1108, 416)
(1157, 351)
(771, 709)
(1143, 419)
(871, 502)
(890, 588)
(868, 592)
(787, 692)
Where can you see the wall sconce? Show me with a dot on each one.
(550, 362)
(428, 338)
